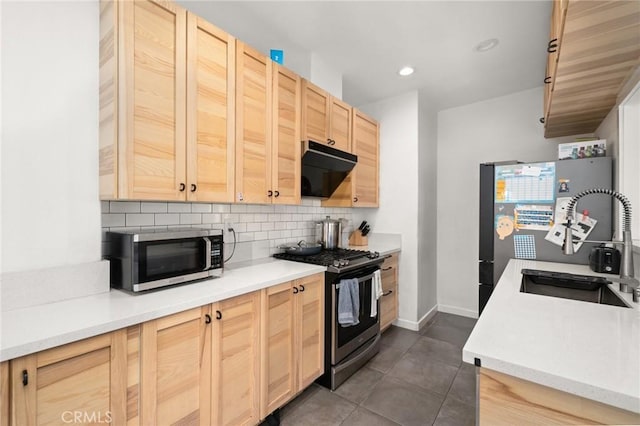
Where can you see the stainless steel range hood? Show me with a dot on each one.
(324, 168)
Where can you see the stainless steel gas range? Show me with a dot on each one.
(346, 348)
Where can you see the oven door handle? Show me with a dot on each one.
(360, 279)
(207, 254)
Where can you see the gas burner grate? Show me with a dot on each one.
(325, 257)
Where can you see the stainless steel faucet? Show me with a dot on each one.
(627, 282)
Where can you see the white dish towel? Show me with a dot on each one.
(376, 292)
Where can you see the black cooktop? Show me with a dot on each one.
(337, 260)
(325, 257)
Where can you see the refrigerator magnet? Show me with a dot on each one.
(504, 226)
(563, 185)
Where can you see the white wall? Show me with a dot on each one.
(504, 128)
(398, 212)
(325, 76)
(225, 16)
(50, 201)
(427, 213)
(608, 130)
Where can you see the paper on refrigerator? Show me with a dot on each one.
(581, 228)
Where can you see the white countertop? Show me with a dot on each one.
(32, 329)
(382, 243)
(582, 348)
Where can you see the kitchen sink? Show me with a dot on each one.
(570, 286)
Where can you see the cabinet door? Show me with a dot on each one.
(340, 125)
(4, 393)
(315, 113)
(236, 361)
(210, 112)
(310, 320)
(176, 369)
(253, 125)
(365, 174)
(278, 375)
(82, 382)
(151, 142)
(286, 158)
(389, 299)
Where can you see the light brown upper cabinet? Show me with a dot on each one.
(267, 130)
(162, 138)
(286, 155)
(88, 377)
(175, 369)
(325, 119)
(597, 45)
(253, 125)
(210, 112)
(360, 188)
(236, 361)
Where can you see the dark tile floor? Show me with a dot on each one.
(418, 378)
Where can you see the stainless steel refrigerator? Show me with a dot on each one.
(521, 213)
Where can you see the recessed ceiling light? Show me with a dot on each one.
(483, 46)
(405, 71)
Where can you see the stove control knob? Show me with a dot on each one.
(336, 263)
(346, 262)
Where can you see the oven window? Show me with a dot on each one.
(166, 259)
(347, 334)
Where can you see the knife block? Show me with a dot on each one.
(357, 239)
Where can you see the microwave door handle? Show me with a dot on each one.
(207, 254)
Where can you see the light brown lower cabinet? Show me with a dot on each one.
(175, 369)
(81, 382)
(292, 339)
(4, 394)
(236, 361)
(507, 400)
(229, 363)
(389, 299)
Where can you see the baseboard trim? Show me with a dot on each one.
(416, 325)
(457, 311)
(409, 325)
(427, 317)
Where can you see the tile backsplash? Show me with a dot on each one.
(259, 228)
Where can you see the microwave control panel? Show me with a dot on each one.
(217, 251)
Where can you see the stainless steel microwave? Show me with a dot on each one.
(144, 260)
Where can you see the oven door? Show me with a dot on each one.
(345, 340)
(165, 262)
